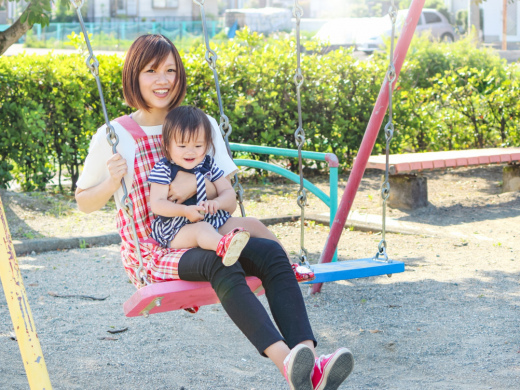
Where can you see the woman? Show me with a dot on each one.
(154, 82)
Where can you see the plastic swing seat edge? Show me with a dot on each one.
(353, 269)
(176, 295)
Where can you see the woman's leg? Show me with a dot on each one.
(259, 230)
(229, 283)
(267, 260)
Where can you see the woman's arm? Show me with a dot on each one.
(94, 198)
(184, 186)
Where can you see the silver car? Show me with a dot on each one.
(431, 21)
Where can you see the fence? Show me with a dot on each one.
(119, 31)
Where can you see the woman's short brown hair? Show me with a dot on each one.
(147, 48)
(182, 124)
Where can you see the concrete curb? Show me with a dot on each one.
(38, 245)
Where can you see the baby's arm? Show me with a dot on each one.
(225, 200)
(160, 205)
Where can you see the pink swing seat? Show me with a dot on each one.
(177, 294)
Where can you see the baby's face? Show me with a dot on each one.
(188, 154)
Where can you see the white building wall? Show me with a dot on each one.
(493, 27)
(328, 9)
(102, 9)
(185, 9)
(456, 5)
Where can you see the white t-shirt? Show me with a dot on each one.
(95, 169)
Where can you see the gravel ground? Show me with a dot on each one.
(450, 321)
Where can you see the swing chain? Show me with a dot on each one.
(391, 76)
(77, 3)
(112, 138)
(239, 190)
(299, 135)
(225, 127)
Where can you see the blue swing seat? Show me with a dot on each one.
(352, 269)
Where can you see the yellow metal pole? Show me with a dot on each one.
(21, 315)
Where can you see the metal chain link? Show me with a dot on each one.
(112, 138)
(299, 134)
(381, 254)
(225, 127)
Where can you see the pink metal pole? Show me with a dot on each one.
(369, 139)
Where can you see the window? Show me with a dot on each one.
(431, 17)
(165, 3)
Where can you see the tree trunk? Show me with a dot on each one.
(14, 33)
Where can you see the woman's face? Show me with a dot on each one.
(157, 85)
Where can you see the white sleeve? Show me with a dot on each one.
(221, 155)
(95, 167)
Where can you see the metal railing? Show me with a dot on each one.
(122, 31)
(331, 200)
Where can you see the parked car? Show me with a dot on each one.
(431, 21)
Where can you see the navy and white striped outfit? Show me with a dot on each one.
(164, 229)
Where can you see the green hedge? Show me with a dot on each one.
(448, 97)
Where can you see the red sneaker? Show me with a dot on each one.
(303, 274)
(298, 366)
(230, 246)
(330, 371)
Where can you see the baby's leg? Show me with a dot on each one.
(204, 235)
(201, 234)
(256, 228)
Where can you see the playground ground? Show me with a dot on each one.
(450, 321)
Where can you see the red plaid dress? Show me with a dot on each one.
(161, 264)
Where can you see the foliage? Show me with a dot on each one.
(448, 96)
(49, 111)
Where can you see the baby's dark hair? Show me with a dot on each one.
(183, 124)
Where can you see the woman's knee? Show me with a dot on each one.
(264, 248)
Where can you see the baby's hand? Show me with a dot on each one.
(193, 213)
(210, 206)
(117, 167)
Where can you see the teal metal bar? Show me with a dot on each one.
(333, 189)
(276, 151)
(285, 173)
(58, 32)
(331, 159)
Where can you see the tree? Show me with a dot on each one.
(36, 11)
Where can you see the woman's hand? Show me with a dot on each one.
(117, 168)
(211, 206)
(193, 213)
(183, 187)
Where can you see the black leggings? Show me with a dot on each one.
(266, 260)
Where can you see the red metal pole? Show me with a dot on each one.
(369, 139)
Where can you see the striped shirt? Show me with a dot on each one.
(163, 228)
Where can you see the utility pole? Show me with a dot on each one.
(474, 18)
(504, 25)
